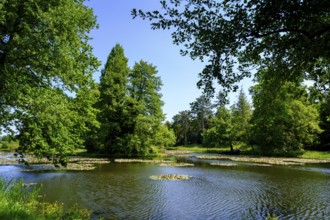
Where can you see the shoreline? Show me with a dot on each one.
(88, 162)
(75, 163)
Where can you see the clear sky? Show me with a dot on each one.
(179, 74)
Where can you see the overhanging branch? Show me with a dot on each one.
(309, 35)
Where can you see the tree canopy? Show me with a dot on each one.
(130, 107)
(288, 122)
(46, 66)
(241, 116)
(236, 36)
(144, 86)
(220, 132)
(115, 107)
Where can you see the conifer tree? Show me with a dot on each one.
(220, 129)
(144, 87)
(241, 116)
(113, 94)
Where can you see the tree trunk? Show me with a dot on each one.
(185, 139)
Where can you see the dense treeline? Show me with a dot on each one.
(50, 103)
(127, 107)
(282, 120)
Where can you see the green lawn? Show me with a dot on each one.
(316, 154)
(11, 146)
(246, 151)
(199, 149)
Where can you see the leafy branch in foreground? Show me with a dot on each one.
(237, 36)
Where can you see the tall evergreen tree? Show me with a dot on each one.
(182, 127)
(131, 108)
(144, 87)
(220, 129)
(241, 116)
(201, 111)
(112, 104)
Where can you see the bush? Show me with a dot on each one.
(21, 201)
(4, 145)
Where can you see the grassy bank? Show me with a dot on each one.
(23, 201)
(246, 150)
(198, 149)
(316, 155)
(9, 145)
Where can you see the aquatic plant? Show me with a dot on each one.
(264, 160)
(176, 164)
(271, 217)
(171, 177)
(224, 164)
(140, 161)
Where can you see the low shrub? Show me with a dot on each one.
(23, 201)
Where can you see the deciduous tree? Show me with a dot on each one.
(234, 36)
(283, 120)
(46, 64)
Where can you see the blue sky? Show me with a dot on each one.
(179, 74)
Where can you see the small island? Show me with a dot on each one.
(170, 177)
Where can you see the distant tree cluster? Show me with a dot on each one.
(130, 109)
(281, 121)
(213, 124)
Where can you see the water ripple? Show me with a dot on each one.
(125, 191)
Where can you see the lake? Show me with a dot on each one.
(245, 191)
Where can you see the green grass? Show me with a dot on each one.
(200, 149)
(19, 201)
(11, 145)
(249, 150)
(271, 217)
(316, 154)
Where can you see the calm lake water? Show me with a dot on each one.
(246, 191)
